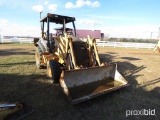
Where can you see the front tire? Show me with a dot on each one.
(54, 68)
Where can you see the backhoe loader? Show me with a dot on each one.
(74, 63)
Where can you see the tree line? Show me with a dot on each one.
(131, 40)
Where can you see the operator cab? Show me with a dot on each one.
(60, 32)
(79, 46)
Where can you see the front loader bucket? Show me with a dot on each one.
(83, 84)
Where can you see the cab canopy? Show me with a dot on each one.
(58, 19)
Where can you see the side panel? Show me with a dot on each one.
(40, 44)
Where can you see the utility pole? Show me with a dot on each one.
(92, 33)
(40, 23)
(0, 34)
(93, 27)
(40, 14)
(151, 37)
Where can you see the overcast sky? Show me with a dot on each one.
(116, 18)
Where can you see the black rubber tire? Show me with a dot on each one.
(38, 56)
(56, 70)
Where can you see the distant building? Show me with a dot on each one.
(93, 34)
(82, 33)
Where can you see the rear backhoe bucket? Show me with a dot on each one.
(83, 84)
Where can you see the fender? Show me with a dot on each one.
(41, 46)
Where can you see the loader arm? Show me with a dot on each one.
(72, 54)
(65, 47)
(93, 52)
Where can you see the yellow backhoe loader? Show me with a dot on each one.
(74, 63)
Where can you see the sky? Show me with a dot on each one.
(115, 18)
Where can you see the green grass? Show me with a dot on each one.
(21, 81)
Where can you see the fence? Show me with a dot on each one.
(126, 44)
(17, 40)
(99, 43)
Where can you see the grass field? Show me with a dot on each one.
(21, 81)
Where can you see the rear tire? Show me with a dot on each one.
(55, 68)
(38, 55)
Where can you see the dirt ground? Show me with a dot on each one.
(21, 81)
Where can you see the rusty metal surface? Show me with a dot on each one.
(83, 84)
(93, 95)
